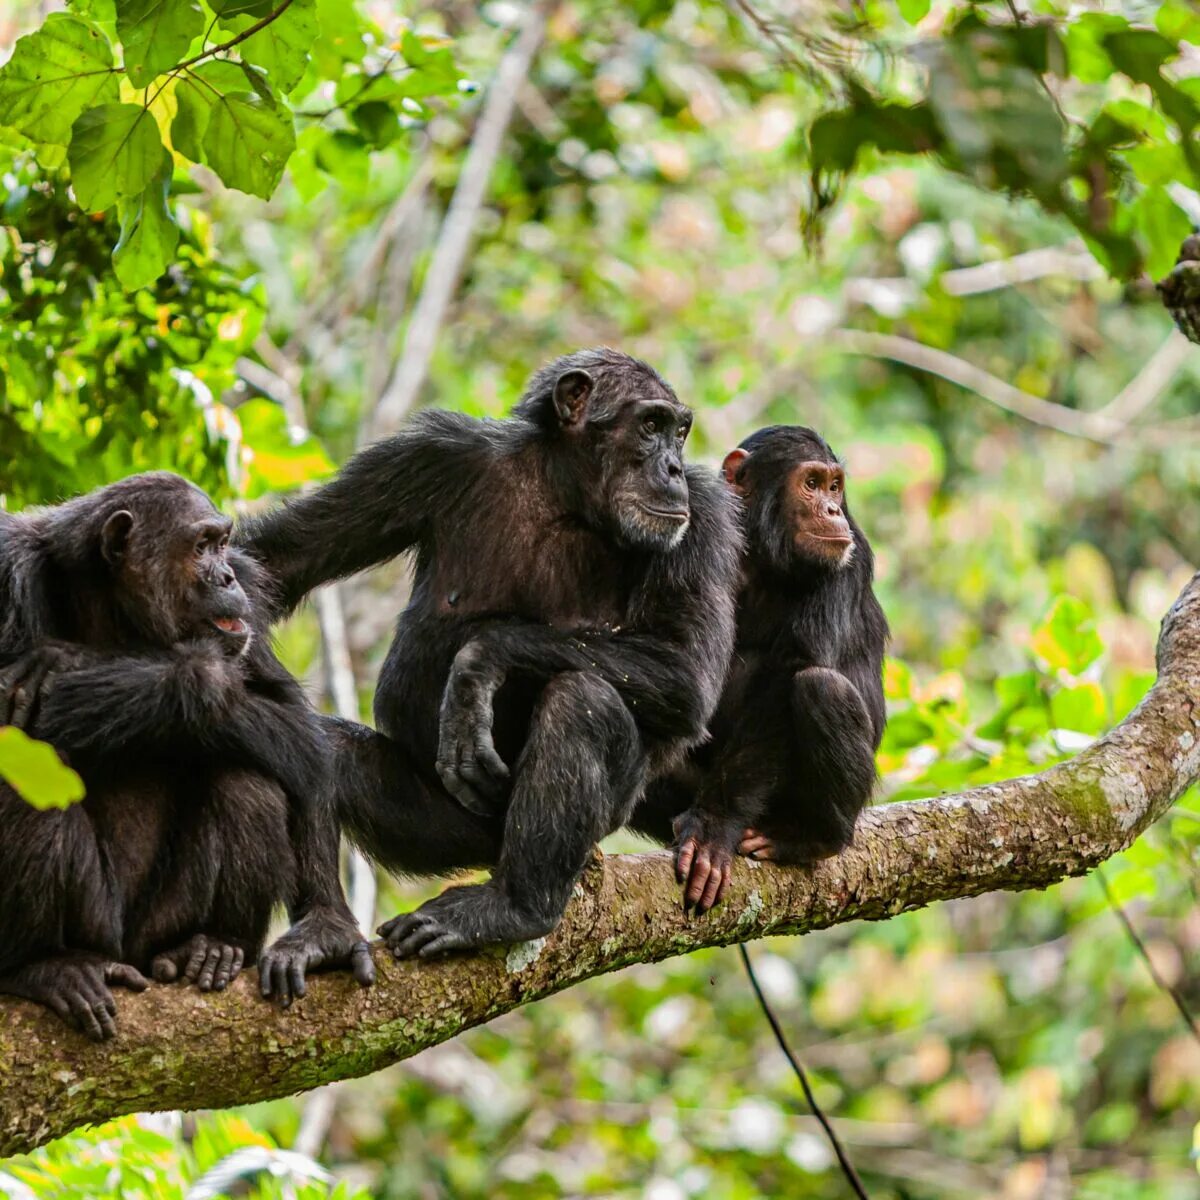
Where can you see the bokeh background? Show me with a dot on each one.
(655, 190)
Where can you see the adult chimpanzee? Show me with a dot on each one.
(792, 758)
(572, 611)
(127, 641)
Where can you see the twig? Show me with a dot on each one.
(449, 255)
(1151, 381)
(847, 1166)
(1094, 426)
(1140, 946)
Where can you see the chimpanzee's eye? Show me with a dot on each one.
(682, 432)
(224, 543)
(836, 486)
(201, 546)
(651, 425)
(813, 482)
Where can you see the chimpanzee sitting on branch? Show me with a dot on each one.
(791, 762)
(128, 641)
(568, 633)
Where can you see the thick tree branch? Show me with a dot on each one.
(179, 1049)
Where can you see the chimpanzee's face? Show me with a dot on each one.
(645, 487)
(814, 505)
(170, 558)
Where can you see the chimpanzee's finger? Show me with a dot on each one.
(362, 964)
(195, 964)
(126, 976)
(712, 889)
(683, 859)
(698, 879)
(164, 968)
(753, 842)
(296, 982)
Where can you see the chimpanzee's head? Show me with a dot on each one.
(794, 490)
(618, 429)
(163, 549)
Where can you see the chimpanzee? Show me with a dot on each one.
(127, 640)
(791, 762)
(568, 633)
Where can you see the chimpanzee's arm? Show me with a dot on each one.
(379, 505)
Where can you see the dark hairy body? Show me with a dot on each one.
(568, 632)
(791, 762)
(127, 642)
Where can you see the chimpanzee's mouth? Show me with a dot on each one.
(667, 514)
(234, 626)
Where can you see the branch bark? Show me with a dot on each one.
(180, 1049)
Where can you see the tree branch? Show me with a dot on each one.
(178, 1048)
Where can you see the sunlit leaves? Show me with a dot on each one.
(248, 142)
(36, 772)
(155, 35)
(1067, 640)
(115, 151)
(198, 89)
(53, 75)
(281, 48)
(148, 234)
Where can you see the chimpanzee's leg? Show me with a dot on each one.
(575, 781)
(232, 865)
(832, 772)
(398, 816)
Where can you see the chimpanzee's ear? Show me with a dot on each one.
(732, 467)
(571, 392)
(115, 536)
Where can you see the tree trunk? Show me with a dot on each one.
(179, 1049)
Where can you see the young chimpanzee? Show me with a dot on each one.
(791, 762)
(127, 640)
(569, 630)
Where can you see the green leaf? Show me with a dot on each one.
(1081, 708)
(53, 75)
(279, 461)
(1139, 53)
(155, 35)
(36, 772)
(115, 151)
(149, 235)
(248, 143)
(1067, 639)
(1163, 225)
(282, 47)
(913, 10)
(197, 91)
(226, 9)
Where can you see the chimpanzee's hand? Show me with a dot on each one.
(76, 987)
(704, 846)
(25, 682)
(792, 852)
(325, 938)
(467, 762)
(211, 963)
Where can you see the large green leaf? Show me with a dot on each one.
(36, 771)
(115, 151)
(248, 142)
(197, 90)
(1067, 639)
(156, 34)
(149, 235)
(53, 75)
(281, 48)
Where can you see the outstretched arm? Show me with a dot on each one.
(379, 505)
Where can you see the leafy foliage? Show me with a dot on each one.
(36, 771)
(196, 83)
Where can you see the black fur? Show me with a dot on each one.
(572, 611)
(792, 754)
(202, 760)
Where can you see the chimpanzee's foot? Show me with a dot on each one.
(463, 918)
(787, 851)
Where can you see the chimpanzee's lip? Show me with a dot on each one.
(842, 538)
(667, 514)
(234, 626)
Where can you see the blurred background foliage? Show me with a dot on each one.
(930, 231)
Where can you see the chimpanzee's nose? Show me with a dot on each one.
(674, 470)
(833, 508)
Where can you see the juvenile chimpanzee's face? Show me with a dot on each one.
(794, 490)
(632, 431)
(171, 563)
(814, 507)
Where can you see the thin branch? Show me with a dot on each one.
(178, 1048)
(1180, 1004)
(450, 253)
(1105, 425)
